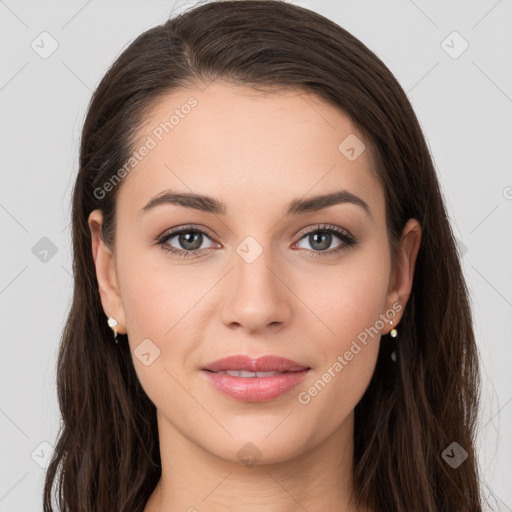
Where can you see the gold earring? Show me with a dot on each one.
(112, 323)
(393, 333)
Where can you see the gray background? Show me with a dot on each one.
(464, 105)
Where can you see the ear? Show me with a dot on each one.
(106, 273)
(402, 276)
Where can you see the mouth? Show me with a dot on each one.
(248, 366)
(249, 379)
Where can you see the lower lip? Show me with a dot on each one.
(255, 389)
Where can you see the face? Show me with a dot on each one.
(194, 284)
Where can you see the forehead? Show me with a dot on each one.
(239, 145)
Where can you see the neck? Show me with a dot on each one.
(195, 480)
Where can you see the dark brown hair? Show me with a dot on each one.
(107, 453)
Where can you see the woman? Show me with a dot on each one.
(269, 311)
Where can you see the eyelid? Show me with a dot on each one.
(184, 228)
(327, 227)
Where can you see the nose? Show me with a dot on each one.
(258, 298)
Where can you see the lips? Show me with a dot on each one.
(246, 366)
(250, 379)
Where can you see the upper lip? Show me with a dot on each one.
(255, 364)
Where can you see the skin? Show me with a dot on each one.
(255, 152)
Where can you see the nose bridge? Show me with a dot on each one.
(256, 298)
(253, 262)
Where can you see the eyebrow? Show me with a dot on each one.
(295, 207)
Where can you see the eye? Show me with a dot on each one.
(321, 238)
(189, 241)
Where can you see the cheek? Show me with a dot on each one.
(349, 301)
(155, 295)
(164, 303)
(348, 356)
(350, 297)
(158, 302)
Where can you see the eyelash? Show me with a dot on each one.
(347, 239)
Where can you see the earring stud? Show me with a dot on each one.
(112, 323)
(393, 333)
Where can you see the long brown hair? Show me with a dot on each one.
(107, 453)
